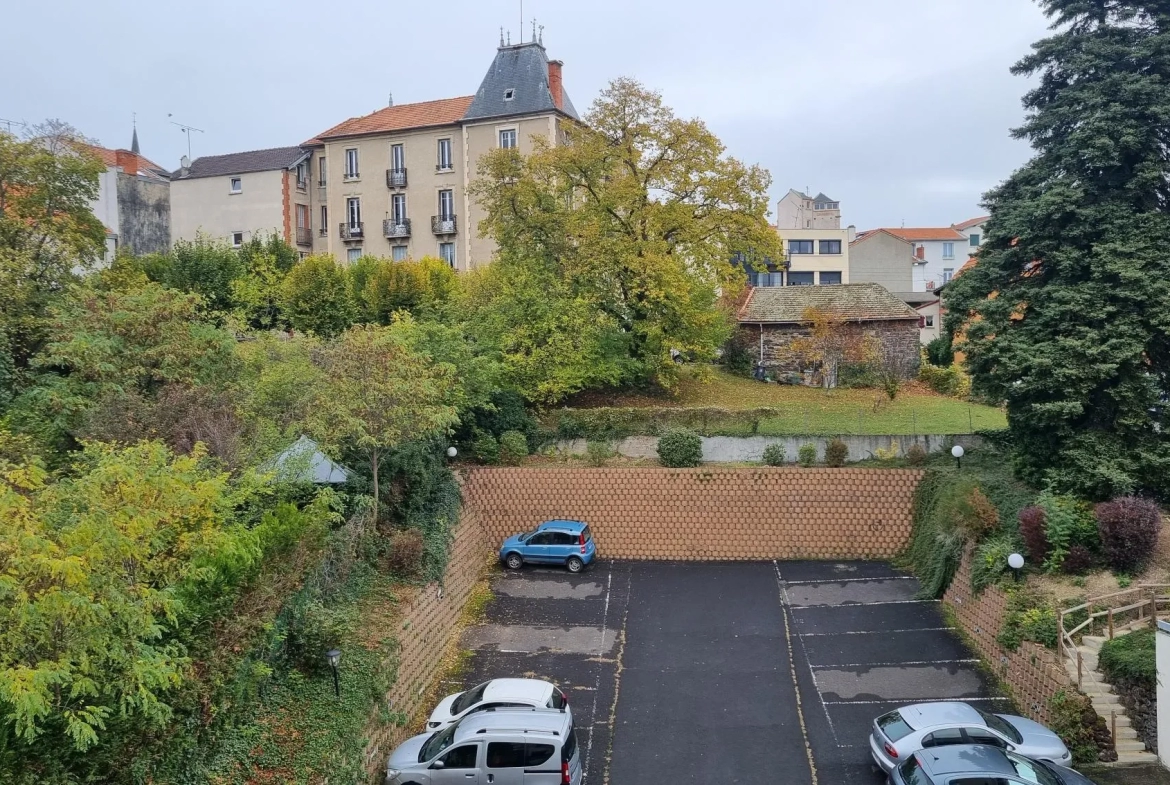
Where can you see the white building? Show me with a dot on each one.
(973, 230)
(937, 254)
(798, 210)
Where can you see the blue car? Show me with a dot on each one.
(568, 543)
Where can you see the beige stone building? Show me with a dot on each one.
(396, 182)
(798, 210)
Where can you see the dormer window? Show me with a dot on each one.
(509, 94)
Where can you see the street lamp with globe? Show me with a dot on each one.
(958, 451)
(1016, 562)
(334, 658)
(452, 452)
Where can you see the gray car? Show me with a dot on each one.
(979, 764)
(904, 731)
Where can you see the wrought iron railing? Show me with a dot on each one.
(443, 224)
(393, 228)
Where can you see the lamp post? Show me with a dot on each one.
(957, 451)
(452, 452)
(1016, 562)
(334, 657)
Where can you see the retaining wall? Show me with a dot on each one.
(736, 449)
(426, 630)
(706, 514)
(1032, 671)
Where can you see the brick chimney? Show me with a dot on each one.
(920, 252)
(555, 85)
(127, 160)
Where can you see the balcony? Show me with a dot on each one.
(395, 178)
(302, 185)
(351, 232)
(396, 229)
(304, 235)
(443, 224)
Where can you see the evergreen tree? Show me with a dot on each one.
(1066, 315)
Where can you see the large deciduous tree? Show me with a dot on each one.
(375, 392)
(1067, 313)
(630, 221)
(315, 296)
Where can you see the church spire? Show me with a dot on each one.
(134, 140)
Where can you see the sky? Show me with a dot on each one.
(899, 109)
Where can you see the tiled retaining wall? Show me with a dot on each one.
(426, 630)
(1032, 671)
(701, 514)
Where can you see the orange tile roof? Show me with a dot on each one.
(920, 235)
(972, 222)
(446, 111)
(110, 157)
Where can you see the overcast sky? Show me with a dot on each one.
(899, 109)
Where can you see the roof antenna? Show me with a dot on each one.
(534, 29)
(509, 38)
(541, 41)
(501, 35)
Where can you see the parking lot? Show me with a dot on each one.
(725, 672)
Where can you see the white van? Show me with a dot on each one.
(492, 747)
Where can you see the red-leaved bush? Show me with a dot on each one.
(1032, 530)
(1079, 559)
(1129, 529)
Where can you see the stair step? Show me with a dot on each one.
(1108, 699)
(1124, 734)
(1093, 642)
(1133, 758)
(1092, 688)
(1129, 745)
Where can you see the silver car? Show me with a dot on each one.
(902, 732)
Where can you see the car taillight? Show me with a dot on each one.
(565, 773)
(582, 539)
(893, 753)
(564, 698)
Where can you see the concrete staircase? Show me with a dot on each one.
(1130, 749)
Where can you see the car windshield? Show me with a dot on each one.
(468, 699)
(912, 773)
(435, 745)
(524, 537)
(1002, 726)
(1031, 771)
(894, 726)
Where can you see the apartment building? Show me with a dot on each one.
(233, 197)
(937, 253)
(133, 201)
(397, 182)
(798, 210)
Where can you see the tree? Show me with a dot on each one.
(636, 216)
(1066, 315)
(831, 341)
(48, 230)
(207, 267)
(90, 566)
(422, 288)
(375, 393)
(315, 297)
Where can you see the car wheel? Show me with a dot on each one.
(574, 564)
(514, 561)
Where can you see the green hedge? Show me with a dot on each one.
(1130, 657)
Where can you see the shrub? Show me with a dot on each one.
(836, 453)
(916, 455)
(940, 352)
(406, 553)
(888, 453)
(1032, 530)
(1073, 719)
(598, 453)
(950, 380)
(774, 455)
(680, 448)
(989, 563)
(981, 518)
(313, 629)
(891, 384)
(1078, 560)
(1128, 528)
(1067, 522)
(486, 448)
(1130, 656)
(1029, 617)
(513, 448)
(859, 375)
(807, 455)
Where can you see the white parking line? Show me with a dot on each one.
(896, 664)
(597, 682)
(871, 632)
(855, 580)
(916, 700)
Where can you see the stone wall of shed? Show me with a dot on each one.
(898, 340)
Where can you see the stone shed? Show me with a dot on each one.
(774, 327)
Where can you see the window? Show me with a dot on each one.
(445, 162)
(830, 279)
(353, 212)
(398, 209)
(948, 274)
(800, 246)
(893, 726)
(324, 229)
(912, 773)
(446, 205)
(461, 757)
(398, 253)
(508, 139)
(237, 239)
(1031, 771)
(1001, 726)
(942, 738)
(831, 246)
(321, 171)
(800, 279)
(766, 279)
(509, 94)
(948, 250)
(447, 253)
(237, 185)
(570, 745)
(351, 163)
(303, 175)
(974, 239)
(353, 254)
(984, 736)
(537, 754)
(505, 755)
(397, 157)
(928, 321)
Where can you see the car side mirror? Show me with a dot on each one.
(437, 765)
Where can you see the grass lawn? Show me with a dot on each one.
(809, 411)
